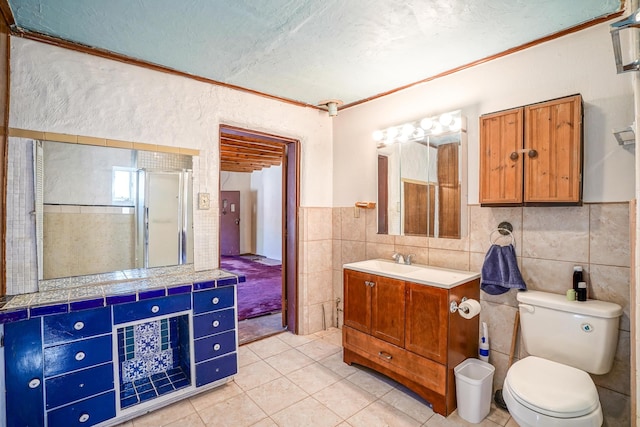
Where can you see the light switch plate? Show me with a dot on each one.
(204, 201)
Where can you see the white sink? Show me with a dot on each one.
(417, 273)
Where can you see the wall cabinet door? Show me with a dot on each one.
(387, 310)
(532, 154)
(357, 300)
(553, 162)
(500, 169)
(427, 321)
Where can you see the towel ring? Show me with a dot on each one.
(503, 233)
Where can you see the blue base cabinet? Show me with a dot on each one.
(75, 369)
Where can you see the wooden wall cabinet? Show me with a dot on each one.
(532, 154)
(406, 331)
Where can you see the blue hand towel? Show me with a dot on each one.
(500, 271)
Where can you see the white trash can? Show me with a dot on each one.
(474, 381)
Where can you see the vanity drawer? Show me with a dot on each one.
(76, 355)
(214, 346)
(78, 385)
(132, 311)
(216, 369)
(214, 322)
(214, 299)
(77, 325)
(84, 413)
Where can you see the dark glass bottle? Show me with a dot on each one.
(577, 276)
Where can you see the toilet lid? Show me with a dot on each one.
(552, 388)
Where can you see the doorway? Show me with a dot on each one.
(259, 198)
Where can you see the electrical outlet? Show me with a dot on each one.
(204, 201)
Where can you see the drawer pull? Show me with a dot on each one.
(34, 383)
(155, 309)
(385, 355)
(80, 355)
(78, 326)
(216, 323)
(216, 347)
(84, 418)
(215, 300)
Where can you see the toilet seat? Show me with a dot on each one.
(551, 388)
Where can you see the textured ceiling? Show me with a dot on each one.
(307, 50)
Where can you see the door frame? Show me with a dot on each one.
(290, 208)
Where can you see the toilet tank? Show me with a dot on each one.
(580, 334)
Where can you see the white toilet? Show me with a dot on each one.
(565, 340)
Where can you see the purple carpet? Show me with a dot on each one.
(262, 292)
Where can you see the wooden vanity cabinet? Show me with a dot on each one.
(406, 331)
(533, 154)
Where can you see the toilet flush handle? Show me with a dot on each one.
(528, 308)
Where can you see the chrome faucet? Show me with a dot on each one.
(402, 259)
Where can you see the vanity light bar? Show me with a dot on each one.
(417, 130)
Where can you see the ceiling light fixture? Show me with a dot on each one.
(331, 105)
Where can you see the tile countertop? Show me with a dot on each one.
(83, 292)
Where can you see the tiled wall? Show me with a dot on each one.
(549, 241)
(167, 161)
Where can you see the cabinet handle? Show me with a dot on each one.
(80, 355)
(216, 323)
(372, 284)
(532, 154)
(155, 309)
(215, 300)
(216, 347)
(84, 418)
(514, 155)
(385, 355)
(34, 383)
(78, 326)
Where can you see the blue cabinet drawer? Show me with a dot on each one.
(216, 369)
(214, 346)
(214, 299)
(73, 326)
(78, 385)
(132, 311)
(76, 355)
(214, 322)
(23, 373)
(84, 413)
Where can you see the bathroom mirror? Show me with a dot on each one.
(102, 209)
(422, 178)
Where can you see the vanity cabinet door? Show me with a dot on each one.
(427, 316)
(388, 309)
(357, 300)
(24, 373)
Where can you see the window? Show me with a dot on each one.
(123, 189)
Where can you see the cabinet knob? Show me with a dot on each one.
(84, 418)
(216, 323)
(215, 300)
(34, 383)
(155, 309)
(78, 326)
(80, 356)
(216, 347)
(532, 154)
(514, 155)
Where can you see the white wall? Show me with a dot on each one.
(577, 63)
(59, 90)
(267, 186)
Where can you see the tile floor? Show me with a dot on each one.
(290, 380)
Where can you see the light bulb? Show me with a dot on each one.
(378, 135)
(457, 124)
(426, 123)
(418, 134)
(445, 119)
(437, 129)
(407, 129)
(392, 132)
